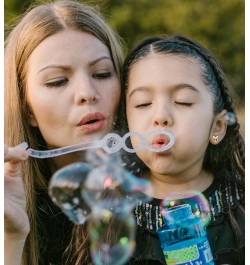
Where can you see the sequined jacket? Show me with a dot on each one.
(219, 231)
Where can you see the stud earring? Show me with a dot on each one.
(215, 138)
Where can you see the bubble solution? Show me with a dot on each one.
(183, 237)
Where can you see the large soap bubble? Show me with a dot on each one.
(65, 191)
(198, 202)
(112, 234)
(110, 181)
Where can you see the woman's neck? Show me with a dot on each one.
(64, 160)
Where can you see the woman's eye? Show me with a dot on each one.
(102, 75)
(187, 104)
(143, 105)
(57, 83)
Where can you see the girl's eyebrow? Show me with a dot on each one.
(140, 88)
(184, 85)
(173, 88)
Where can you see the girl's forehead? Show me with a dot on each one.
(162, 57)
(166, 70)
(161, 61)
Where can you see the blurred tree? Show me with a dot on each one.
(217, 24)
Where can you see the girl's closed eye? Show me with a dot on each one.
(57, 82)
(182, 103)
(143, 105)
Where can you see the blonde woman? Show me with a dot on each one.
(62, 72)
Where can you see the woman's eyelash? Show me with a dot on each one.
(102, 75)
(57, 83)
(62, 82)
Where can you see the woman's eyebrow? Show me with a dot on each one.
(99, 59)
(65, 67)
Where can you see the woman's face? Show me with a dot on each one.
(72, 88)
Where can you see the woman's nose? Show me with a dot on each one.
(86, 92)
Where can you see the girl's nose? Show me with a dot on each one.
(86, 92)
(162, 117)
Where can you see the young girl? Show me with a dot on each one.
(175, 84)
(62, 72)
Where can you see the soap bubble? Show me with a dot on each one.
(112, 235)
(111, 181)
(65, 191)
(198, 202)
(101, 183)
(230, 118)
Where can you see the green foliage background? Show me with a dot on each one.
(218, 24)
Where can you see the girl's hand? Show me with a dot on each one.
(16, 222)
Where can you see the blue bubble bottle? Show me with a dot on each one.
(183, 238)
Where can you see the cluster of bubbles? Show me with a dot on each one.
(103, 193)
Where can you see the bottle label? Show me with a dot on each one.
(195, 254)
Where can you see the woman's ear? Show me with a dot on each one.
(32, 119)
(219, 128)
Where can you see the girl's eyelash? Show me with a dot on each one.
(102, 75)
(184, 103)
(57, 83)
(143, 105)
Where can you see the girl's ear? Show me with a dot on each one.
(32, 119)
(219, 128)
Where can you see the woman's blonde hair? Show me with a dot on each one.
(35, 26)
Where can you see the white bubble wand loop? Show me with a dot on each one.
(111, 143)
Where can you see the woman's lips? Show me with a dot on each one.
(92, 122)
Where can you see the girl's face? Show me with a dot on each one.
(166, 92)
(72, 88)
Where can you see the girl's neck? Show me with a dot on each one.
(165, 184)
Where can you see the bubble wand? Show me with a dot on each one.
(111, 143)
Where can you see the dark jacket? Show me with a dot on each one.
(55, 237)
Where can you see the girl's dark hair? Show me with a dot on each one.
(228, 156)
